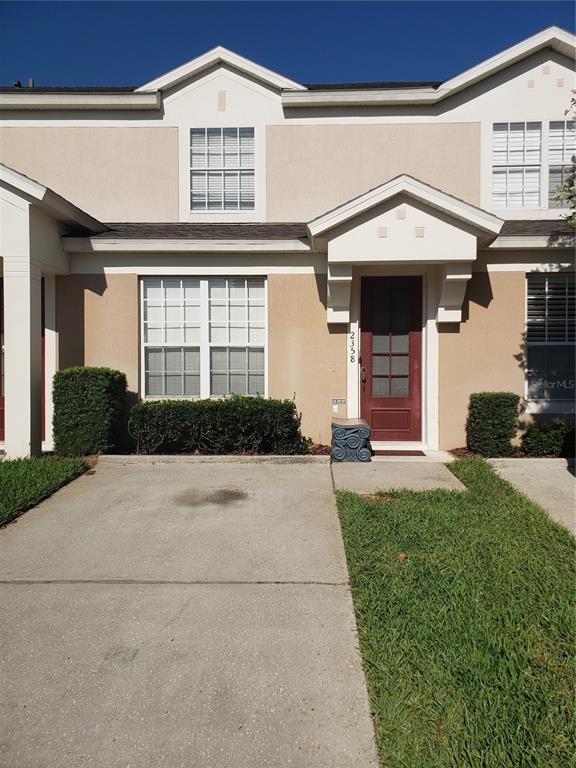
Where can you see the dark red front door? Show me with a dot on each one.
(391, 350)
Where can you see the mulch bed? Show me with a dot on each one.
(317, 449)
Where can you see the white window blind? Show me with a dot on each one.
(550, 335)
(561, 152)
(222, 169)
(530, 162)
(516, 157)
(203, 337)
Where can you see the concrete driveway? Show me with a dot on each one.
(181, 614)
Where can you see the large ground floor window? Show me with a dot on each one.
(203, 337)
(550, 336)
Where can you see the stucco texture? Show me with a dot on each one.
(306, 356)
(484, 353)
(313, 168)
(97, 322)
(115, 174)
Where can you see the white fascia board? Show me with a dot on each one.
(53, 203)
(553, 37)
(94, 101)
(212, 58)
(359, 98)
(88, 245)
(407, 185)
(520, 242)
(21, 183)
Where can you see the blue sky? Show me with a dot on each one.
(128, 43)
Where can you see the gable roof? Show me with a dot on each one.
(416, 189)
(149, 95)
(215, 57)
(429, 92)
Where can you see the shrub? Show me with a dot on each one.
(236, 424)
(89, 410)
(492, 421)
(556, 440)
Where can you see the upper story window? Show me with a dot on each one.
(530, 161)
(561, 151)
(550, 324)
(222, 169)
(516, 156)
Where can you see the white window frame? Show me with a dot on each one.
(222, 169)
(543, 209)
(549, 164)
(205, 344)
(533, 405)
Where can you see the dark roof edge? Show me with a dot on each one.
(68, 89)
(375, 85)
(205, 231)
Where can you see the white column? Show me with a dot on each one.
(22, 333)
(50, 354)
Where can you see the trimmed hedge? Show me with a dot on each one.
(89, 410)
(492, 422)
(556, 440)
(236, 424)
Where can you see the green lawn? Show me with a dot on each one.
(26, 482)
(468, 644)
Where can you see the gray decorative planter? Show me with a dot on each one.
(350, 440)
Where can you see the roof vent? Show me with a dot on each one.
(16, 84)
(30, 82)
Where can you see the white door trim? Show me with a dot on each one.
(431, 282)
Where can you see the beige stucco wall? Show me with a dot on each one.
(115, 174)
(482, 354)
(313, 168)
(306, 357)
(97, 322)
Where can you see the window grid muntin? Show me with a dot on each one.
(229, 371)
(254, 295)
(243, 171)
(541, 316)
(514, 146)
(561, 142)
(565, 172)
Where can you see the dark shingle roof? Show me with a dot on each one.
(526, 227)
(378, 85)
(216, 231)
(68, 89)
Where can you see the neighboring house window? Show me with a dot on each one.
(516, 165)
(222, 169)
(203, 337)
(530, 161)
(550, 347)
(561, 152)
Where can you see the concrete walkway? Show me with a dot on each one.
(179, 614)
(417, 474)
(548, 482)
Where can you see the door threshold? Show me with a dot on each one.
(398, 445)
(407, 451)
